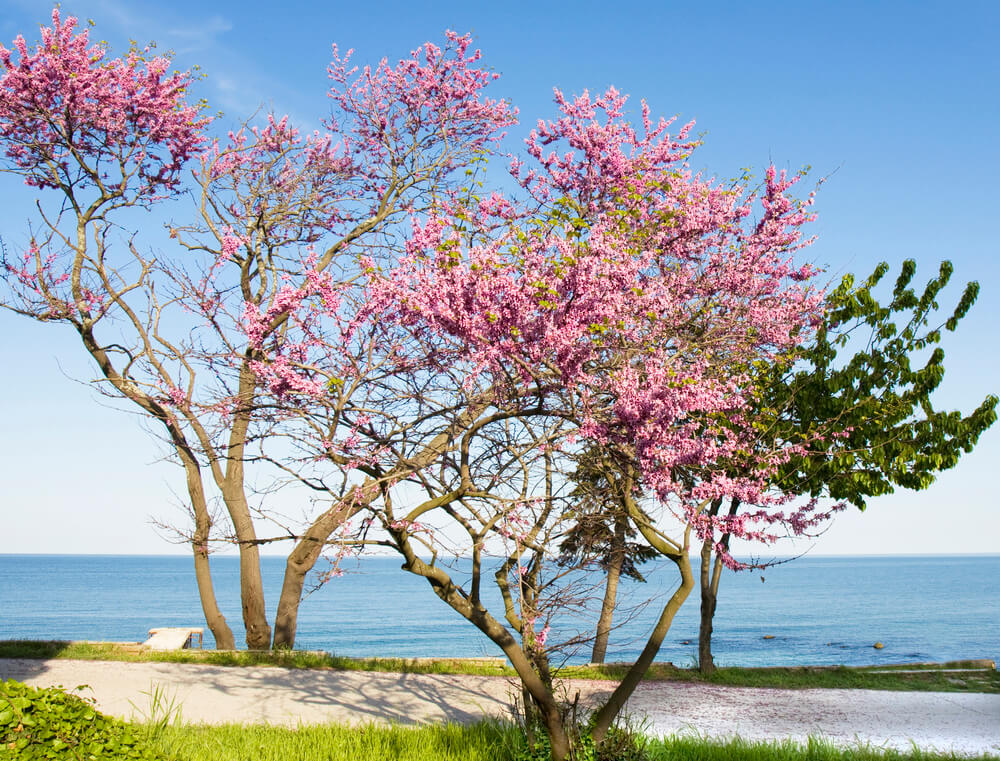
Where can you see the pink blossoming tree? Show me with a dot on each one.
(620, 304)
(350, 311)
(278, 216)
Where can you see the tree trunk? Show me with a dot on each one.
(252, 593)
(223, 635)
(258, 631)
(300, 561)
(610, 592)
(531, 682)
(710, 592)
(307, 551)
(234, 495)
(251, 585)
(605, 716)
(558, 737)
(203, 523)
(286, 620)
(705, 663)
(542, 694)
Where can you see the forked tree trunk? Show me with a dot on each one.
(542, 695)
(307, 550)
(610, 592)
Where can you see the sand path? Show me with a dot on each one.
(965, 723)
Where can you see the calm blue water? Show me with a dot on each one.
(821, 610)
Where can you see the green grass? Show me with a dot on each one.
(296, 659)
(936, 679)
(694, 749)
(332, 742)
(904, 678)
(477, 742)
(162, 735)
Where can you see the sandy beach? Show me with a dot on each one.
(964, 723)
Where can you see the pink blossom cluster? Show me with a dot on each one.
(535, 639)
(602, 149)
(436, 91)
(542, 636)
(344, 549)
(127, 116)
(649, 308)
(270, 181)
(515, 524)
(395, 132)
(32, 263)
(177, 396)
(285, 369)
(762, 525)
(409, 527)
(43, 282)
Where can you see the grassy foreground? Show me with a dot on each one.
(946, 677)
(479, 742)
(52, 723)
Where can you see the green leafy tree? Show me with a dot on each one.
(867, 425)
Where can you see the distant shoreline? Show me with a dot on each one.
(220, 555)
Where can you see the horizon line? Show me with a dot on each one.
(390, 555)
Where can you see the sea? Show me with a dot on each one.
(809, 611)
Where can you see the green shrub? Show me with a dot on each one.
(53, 724)
(621, 743)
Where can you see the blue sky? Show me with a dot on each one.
(895, 103)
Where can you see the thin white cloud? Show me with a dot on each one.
(233, 83)
(182, 34)
(130, 20)
(201, 35)
(249, 98)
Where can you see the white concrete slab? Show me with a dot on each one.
(172, 637)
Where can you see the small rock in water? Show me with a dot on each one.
(878, 645)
